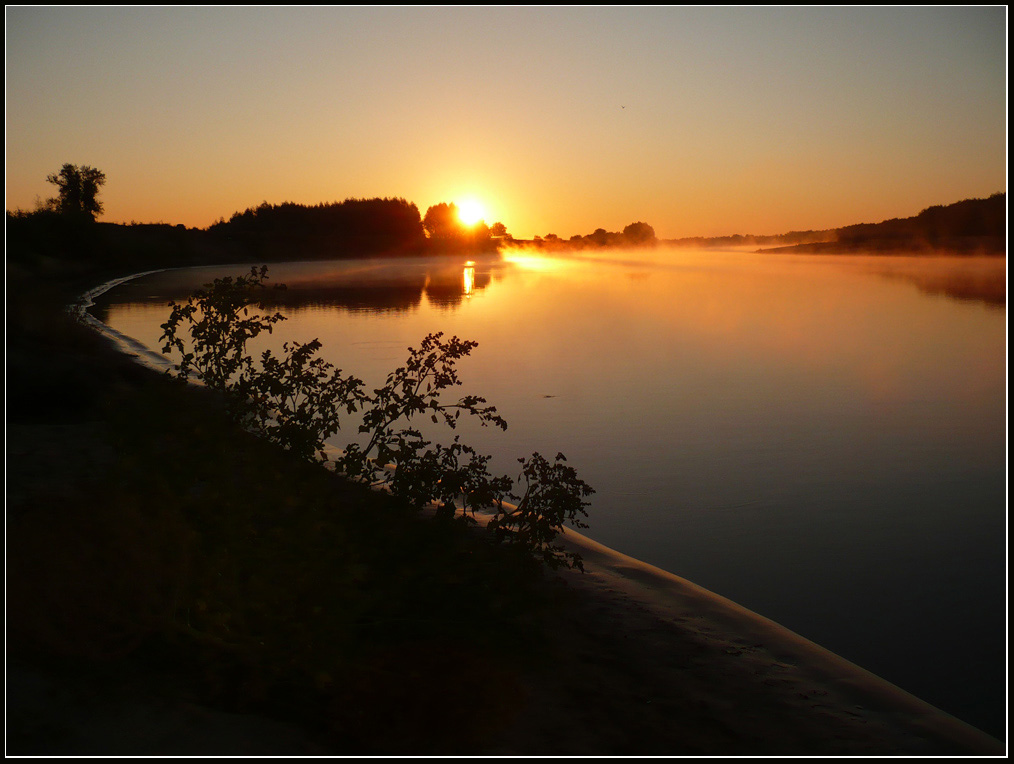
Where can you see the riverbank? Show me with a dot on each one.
(970, 246)
(333, 623)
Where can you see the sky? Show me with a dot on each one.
(700, 121)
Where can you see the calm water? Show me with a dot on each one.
(821, 439)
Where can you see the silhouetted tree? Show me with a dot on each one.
(640, 235)
(478, 231)
(600, 237)
(498, 229)
(447, 232)
(442, 222)
(79, 190)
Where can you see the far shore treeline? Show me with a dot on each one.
(969, 227)
(374, 227)
(61, 236)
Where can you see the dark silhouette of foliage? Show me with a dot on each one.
(78, 191)
(352, 228)
(442, 222)
(297, 401)
(600, 237)
(401, 458)
(740, 240)
(640, 235)
(62, 236)
(971, 226)
(552, 492)
(447, 232)
(498, 229)
(634, 235)
(45, 239)
(938, 225)
(217, 332)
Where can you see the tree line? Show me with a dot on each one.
(968, 224)
(62, 227)
(354, 227)
(637, 234)
(968, 227)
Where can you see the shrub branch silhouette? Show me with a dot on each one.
(295, 401)
(298, 401)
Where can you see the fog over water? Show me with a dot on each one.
(819, 438)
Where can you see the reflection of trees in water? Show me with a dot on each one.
(448, 293)
(380, 298)
(984, 281)
(443, 286)
(992, 292)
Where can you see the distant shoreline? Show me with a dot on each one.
(971, 246)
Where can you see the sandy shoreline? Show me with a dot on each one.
(757, 687)
(810, 681)
(649, 663)
(124, 344)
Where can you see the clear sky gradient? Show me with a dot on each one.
(699, 121)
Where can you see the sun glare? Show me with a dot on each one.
(470, 212)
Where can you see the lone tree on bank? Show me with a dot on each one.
(79, 190)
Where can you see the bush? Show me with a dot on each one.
(298, 400)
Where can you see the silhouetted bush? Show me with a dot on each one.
(297, 401)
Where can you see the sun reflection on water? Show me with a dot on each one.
(528, 260)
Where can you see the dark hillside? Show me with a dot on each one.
(968, 227)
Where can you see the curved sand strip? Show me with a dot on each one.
(725, 680)
(126, 345)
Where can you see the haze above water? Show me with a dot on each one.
(821, 439)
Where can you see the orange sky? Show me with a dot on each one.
(699, 121)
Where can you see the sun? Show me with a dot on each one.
(471, 212)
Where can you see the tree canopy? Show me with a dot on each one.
(442, 222)
(637, 234)
(351, 228)
(640, 235)
(78, 190)
(447, 232)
